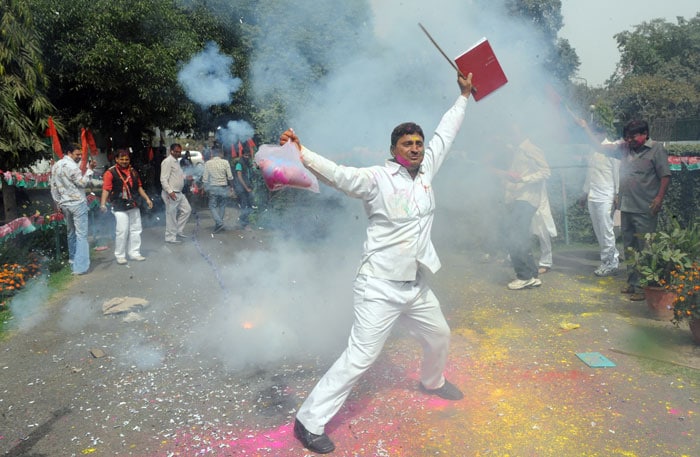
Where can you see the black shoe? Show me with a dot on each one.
(320, 444)
(448, 391)
(218, 228)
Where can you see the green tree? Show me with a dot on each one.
(114, 63)
(560, 59)
(225, 22)
(658, 75)
(23, 102)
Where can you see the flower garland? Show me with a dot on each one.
(26, 179)
(675, 163)
(28, 224)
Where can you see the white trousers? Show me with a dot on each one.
(539, 228)
(378, 305)
(177, 212)
(602, 219)
(127, 239)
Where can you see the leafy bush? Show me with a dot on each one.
(668, 251)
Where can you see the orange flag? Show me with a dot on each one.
(55, 143)
(84, 148)
(91, 142)
(240, 149)
(251, 146)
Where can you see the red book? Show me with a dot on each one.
(481, 62)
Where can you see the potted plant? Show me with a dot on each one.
(672, 249)
(686, 306)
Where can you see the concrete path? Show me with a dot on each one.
(240, 325)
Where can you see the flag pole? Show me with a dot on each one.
(454, 65)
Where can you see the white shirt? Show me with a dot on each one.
(172, 178)
(602, 178)
(68, 182)
(400, 209)
(530, 164)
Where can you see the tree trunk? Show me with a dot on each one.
(9, 201)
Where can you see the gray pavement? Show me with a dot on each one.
(240, 325)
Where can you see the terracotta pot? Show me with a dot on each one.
(660, 302)
(694, 325)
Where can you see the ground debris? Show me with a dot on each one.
(123, 305)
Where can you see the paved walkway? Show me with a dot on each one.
(240, 325)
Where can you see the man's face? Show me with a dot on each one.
(76, 154)
(123, 161)
(409, 151)
(635, 140)
(177, 152)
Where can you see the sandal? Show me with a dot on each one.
(543, 270)
(628, 290)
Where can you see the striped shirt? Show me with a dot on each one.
(217, 172)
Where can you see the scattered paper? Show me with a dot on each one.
(123, 305)
(97, 353)
(568, 326)
(595, 359)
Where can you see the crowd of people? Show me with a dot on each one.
(631, 174)
(123, 198)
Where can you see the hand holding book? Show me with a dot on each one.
(481, 61)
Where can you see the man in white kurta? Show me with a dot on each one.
(391, 281)
(601, 187)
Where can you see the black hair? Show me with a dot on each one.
(70, 147)
(175, 145)
(634, 127)
(407, 128)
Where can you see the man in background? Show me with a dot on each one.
(216, 178)
(177, 208)
(243, 185)
(68, 192)
(600, 188)
(527, 172)
(644, 179)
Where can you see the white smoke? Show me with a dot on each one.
(27, 305)
(234, 132)
(207, 79)
(380, 70)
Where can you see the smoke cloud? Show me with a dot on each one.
(381, 70)
(27, 306)
(207, 79)
(347, 73)
(234, 132)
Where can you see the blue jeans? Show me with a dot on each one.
(245, 199)
(217, 203)
(77, 224)
(634, 226)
